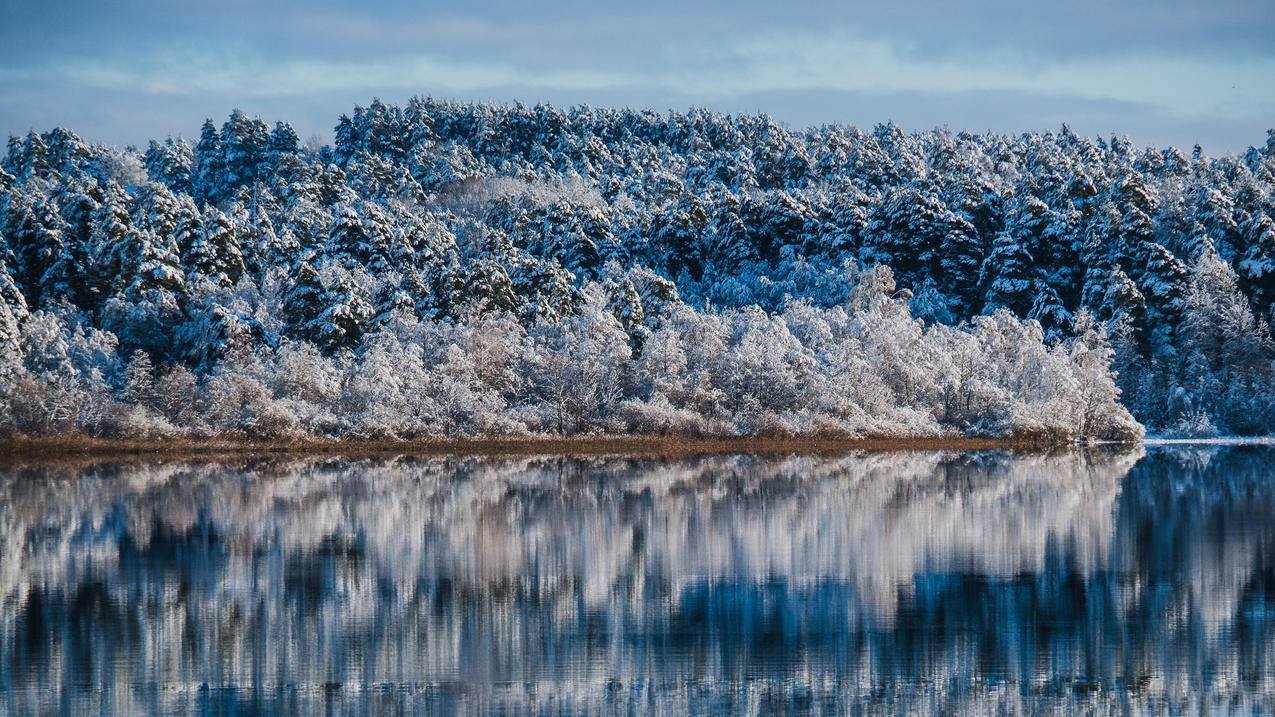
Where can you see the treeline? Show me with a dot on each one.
(534, 262)
(863, 369)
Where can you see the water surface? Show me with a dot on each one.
(892, 582)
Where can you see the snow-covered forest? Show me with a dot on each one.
(476, 269)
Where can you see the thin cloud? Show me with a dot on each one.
(1204, 65)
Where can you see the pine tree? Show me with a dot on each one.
(544, 289)
(290, 175)
(207, 174)
(1011, 273)
(1097, 256)
(216, 252)
(626, 306)
(360, 237)
(1124, 302)
(727, 242)
(1257, 266)
(390, 302)
(13, 310)
(283, 144)
(215, 333)
(1215, 214)
(1164, 284)
(347, 141)
(960, 256)
(1219, 324)
(1133, 230)
(898, 232)
(1031, 223)
(266, 247)
(149, 289)
(1051, 312)
(913, 232)
(244, 148)
(305, 301)
(72, 277)
(35, 232)
(344, 318)
(488, 288)
(13, 159)
(679, 238)
(156, 268)
(35, 154)
(158, 212)
(111, 244)
(848, 221)
(170, 163)
(1007, 276)
(187, 228)
(1229, 351)
(784, 221)
(1091, 350)
(67, 153)
(330, 312)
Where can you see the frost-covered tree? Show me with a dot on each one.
(215, 252)
(1257, 266)
(305, 301)
(13, 309)
(208, 169)
(732, 259)
(35, 238)
(170, 163)
(1007, 274)
(244, 147)
(575, 366)
(1230, 355)
(326, 306)
(1092, 354)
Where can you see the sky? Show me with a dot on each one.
(1160, 71)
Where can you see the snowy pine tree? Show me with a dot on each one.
(718, 247)
(208, 170)
(215, 253)
(1007, 276)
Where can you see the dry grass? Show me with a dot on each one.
(29, 449)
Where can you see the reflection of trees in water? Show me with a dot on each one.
(732, 578)
(1196, 551)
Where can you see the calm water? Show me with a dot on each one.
(903, 583)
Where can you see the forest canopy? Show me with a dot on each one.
(464, 269)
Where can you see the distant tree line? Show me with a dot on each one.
(477, 268)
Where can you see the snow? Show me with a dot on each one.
(640, 272)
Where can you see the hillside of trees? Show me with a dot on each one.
(469, 269)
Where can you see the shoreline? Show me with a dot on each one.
(26, 449)
(1218, 441)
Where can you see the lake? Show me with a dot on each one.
(908, 582)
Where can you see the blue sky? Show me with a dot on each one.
(1163, 71)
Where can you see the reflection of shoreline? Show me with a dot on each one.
(1224, 441)
(874, 520)
(18, 451)
(935, 582)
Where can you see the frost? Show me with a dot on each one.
(476, 269)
